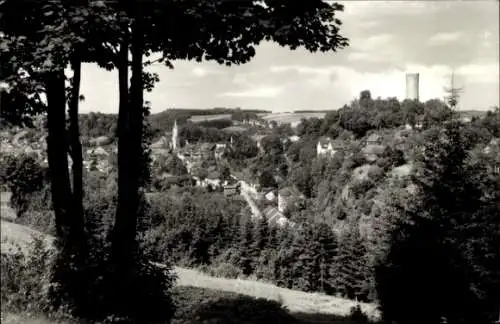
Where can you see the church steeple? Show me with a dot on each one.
(175, 136)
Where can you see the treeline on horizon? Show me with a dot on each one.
(96, 124)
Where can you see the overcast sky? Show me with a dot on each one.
(386, 39)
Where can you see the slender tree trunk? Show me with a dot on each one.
(57, 151)
(76, 153)
(129, 154)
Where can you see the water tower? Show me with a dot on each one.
(412, 86)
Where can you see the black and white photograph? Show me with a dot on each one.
(250, 161)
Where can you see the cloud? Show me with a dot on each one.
(302, 69)
(374, 42)
(365, 57)
(259, 92)
(362, 9)
(201, 72)
(479, 73)
(384, 35)
(445, 38)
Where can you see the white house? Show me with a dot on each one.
(325, 147)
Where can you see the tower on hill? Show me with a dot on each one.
(412, 86)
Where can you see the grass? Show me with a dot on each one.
(202, 118)
(235, 129)
(295, 301)
(309, 307)
(198, 305)
(292, 118)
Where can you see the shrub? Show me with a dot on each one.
(223, 270)
(23, 175)
(357, 316)
(50, 283)
(26, 281)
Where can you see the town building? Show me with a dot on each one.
(327, 147)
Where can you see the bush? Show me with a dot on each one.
(223, 270)
(49, 282)
(26, 281)
(357, 316)
(23, 175)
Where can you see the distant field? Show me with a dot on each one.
(202, 118)
(472, 113)
(295, 301)
(235, 129)
(293, 118)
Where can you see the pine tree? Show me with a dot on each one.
(283, 274)
(442, 244)
(260, 248)
(246, 248)
(327, 252)
(305, 268)
(351, 269)
(221, 237)
(201, 244)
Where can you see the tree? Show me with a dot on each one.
(327, 252)
(441, 239)
(247, 250)
(272, 145)
(266, 179)
(23, 175)
(435, 113)
(351, 269)
(412, 109)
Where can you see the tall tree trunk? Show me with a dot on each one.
(57, 151)
(129, 153)
(76, 152)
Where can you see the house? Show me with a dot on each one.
(250, 187)
(220, 146)
(258, 140)
(274, 216)
(231, 189)
(374, 139)
(219, 150)
(493, 148)
(327, 146)
(294, 138)
(270, 195)
(494, 143)
(324, 146)
(286, 196)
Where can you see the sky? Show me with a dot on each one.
(387, 39)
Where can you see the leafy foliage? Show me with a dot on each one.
(435, 242)
(23, 176)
